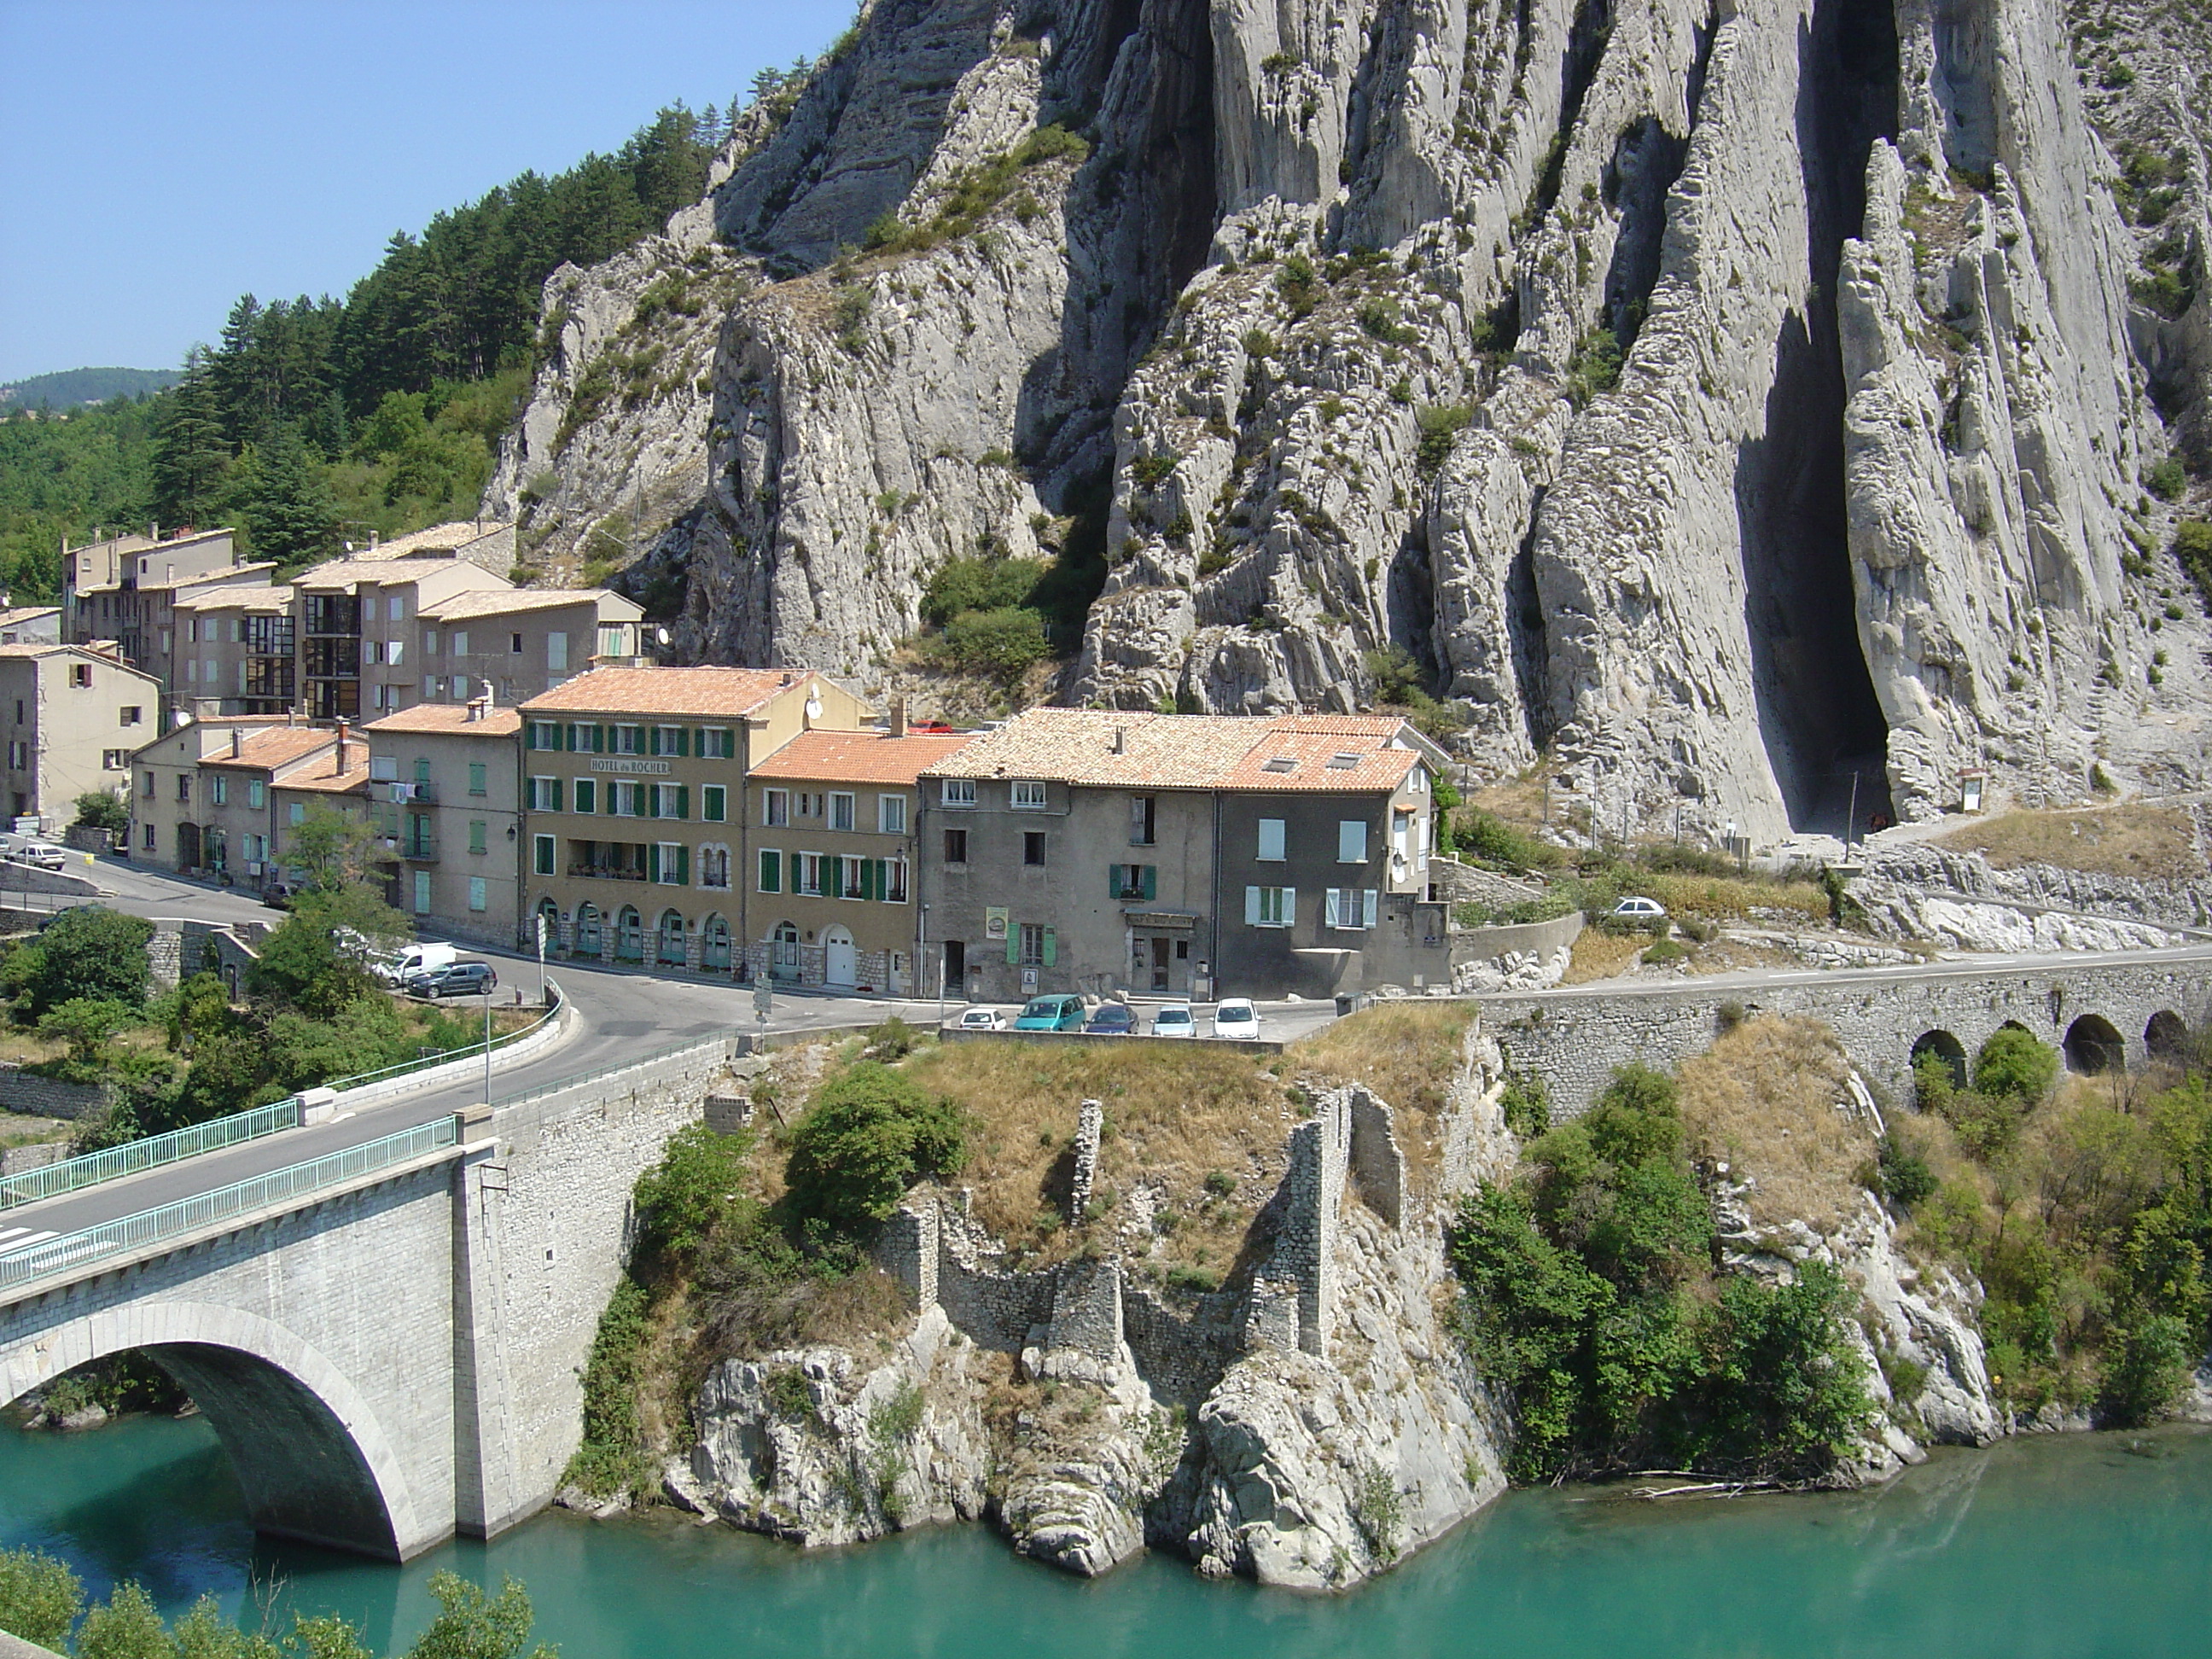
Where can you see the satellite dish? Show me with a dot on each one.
(663, 633)
(814, 705)
(183, 717)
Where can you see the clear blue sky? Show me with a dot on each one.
(158, 158)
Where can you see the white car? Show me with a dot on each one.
(43, 854)
(1174, 1021)
(1640, 910)
(981, 1019)
(1236, 1019)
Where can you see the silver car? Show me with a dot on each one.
(1236, 1019)
(1174, 1021)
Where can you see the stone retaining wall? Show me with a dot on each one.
(46, 1097)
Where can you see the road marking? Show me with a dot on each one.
(10, 1245)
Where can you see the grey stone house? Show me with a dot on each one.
(1106, 851)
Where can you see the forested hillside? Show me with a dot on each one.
(73, 386)
(312, 422)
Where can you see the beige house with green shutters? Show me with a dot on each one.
(633, 784)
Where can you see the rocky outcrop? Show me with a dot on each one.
(1938, 869)
(1897, 912)
(1745, 406)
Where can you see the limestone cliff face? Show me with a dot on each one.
(1747, 406)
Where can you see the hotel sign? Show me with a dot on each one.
(629, 764)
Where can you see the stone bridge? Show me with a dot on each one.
(2102, 1012)
(394, 1358)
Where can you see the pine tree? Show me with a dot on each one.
(191, 455)
(285, 503)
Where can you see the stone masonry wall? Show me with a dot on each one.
(48, 1097)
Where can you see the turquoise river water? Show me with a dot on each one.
(2078, 1546)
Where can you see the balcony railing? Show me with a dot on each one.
(603, 872)
(419, 849)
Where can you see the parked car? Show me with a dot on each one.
(414, 959)
(454, 979)
(277, 896)
(1634, 908)
(1051, 1012)
(983, 1019)
(1174, 1021)
(41, 854)
(1111, 1019)
(1237, 1019)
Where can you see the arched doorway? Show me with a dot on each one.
(188, 847)
(714, 943)
(840, 960)
(670, 943)
(630, 935)
(2166, 1035)
(549, 915)
(587, 943)
(1943, 1046)
(783, 951)
(2093, 1048)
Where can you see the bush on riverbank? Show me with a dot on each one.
(1592, 1294)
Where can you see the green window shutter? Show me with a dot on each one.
(1051, 947)
(586, 790)
(560, 734)
(683, 866)
(652, 739)
(599, 740)
(868, 888)
(683, 800)
(714, 804)
(1112, 881)
(884, 879)
(1014, 942)
(682, 742)
(771, 871)
(1152, 881)
(652, 861)
(556, 794)
(652, 801)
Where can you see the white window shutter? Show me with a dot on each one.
(1335, 914)
(1251, 907)
(1290, 906)
(1369, 908)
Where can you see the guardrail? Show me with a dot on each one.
(116, 1162)
(300, 1181)
(666, 1051)
(155, 1150)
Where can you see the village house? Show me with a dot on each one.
(29, 624)
(1116, 852)
(171, 800)
(334, 781)
(634, 799)
(72, 716)
(445, 785)
(831, 820)
(235, 812)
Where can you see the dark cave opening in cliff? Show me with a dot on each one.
(1820, 719)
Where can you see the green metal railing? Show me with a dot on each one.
(665, 1052)
(300, 1181)
(447, 1056)
(116, 1162)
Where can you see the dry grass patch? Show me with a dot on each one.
(1598, 955)
(1725, 896)
(1764, 1100)
(20, 1129)
(2145, 843)
(1518, 801)
(1174, 1116)
(1408, 1053)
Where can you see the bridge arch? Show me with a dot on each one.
(1944, 1047)
(2093, 1047)
(2165, 1036)
(312, 1460)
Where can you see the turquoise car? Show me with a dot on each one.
(1051, 1013)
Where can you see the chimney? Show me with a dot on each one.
(237, 742)
(342, 746)
(153, 530)
(476, 706)
(898, 716)
(1120, 740)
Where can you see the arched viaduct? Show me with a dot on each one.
(397, 1357)
(2100, 1011)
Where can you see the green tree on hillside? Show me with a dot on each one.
(285, 503)
(191, 457)
(88, 952)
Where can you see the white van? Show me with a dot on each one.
(414, 959)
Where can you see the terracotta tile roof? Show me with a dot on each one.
(704, 693)
(860, 756)
(452, 717)
(501, 601)
(445, 538)
(244, 596)
(1187, 751)
(320, 778)
(390, 573)
(279, 747)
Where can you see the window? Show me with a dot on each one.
(714, 743)
(460, 642)
(257, 794)
(541, 854)
(514, 645)
(396, 609)
(714, 804)
(584, 739)
(421, 892)
(394, 650)
(1271, 840)
(587, 792)
(806, 873)
(672, 800)
(191, 671)
(776, 807)
(959, 791)
(1033, 846)
(670, 740)
(955, 846)
(148, 790)
(1026, 796)
(149, 838)
(771, 871)
(477, 778)
(1351, 906)
(841, 812)
(184, 786)
(476, 885)
(1031, 944)
(218, 791)
(131, 715)
(894, 881)
(19, 756)
(81, 675)
(630, 740)
(115, 760)
(556, 653)
(627, 800)
(545, 734)
(713, 866)
(545, 794)
(429, 641)
(891, 815)
(475, 835)
(1352, 840)
(851, 883)
(1271, 906)
(671, 867)
(1141, 819)
(1136, 881)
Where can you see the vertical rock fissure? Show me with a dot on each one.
(1819, 718)
(1524, 627)
(1647, 159)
